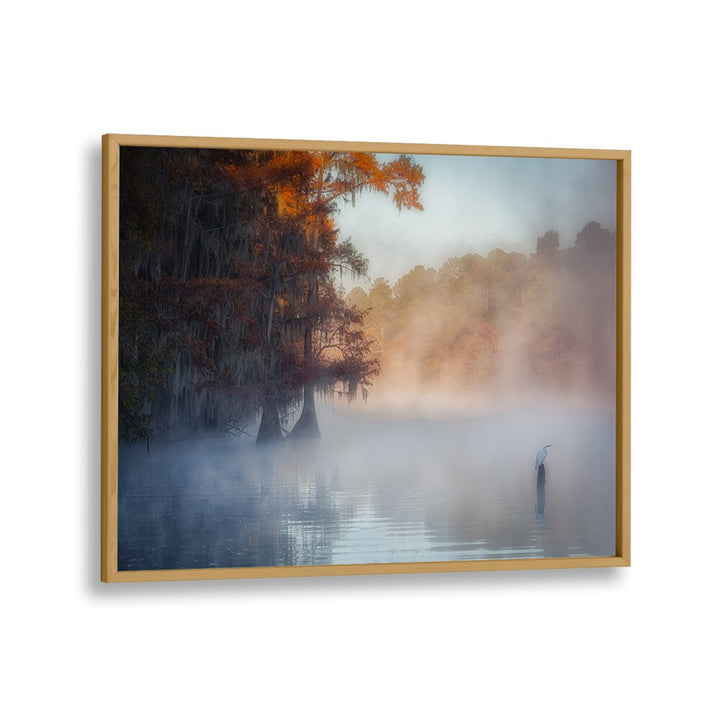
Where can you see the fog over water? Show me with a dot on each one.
(377, 488)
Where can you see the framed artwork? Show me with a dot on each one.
(336, 358)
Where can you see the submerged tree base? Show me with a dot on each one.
(307, 428)
(270, 429)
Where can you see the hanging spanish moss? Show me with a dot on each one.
(228, 305)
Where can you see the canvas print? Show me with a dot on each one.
(328, 357)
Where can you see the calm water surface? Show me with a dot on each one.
(373, 490)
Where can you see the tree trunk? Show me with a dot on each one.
(269, 430)
(306, 428)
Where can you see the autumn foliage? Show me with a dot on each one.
(228, 269)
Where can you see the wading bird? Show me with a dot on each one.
(541, 455)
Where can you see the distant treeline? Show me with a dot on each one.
(508, 321)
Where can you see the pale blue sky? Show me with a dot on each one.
(475, 204)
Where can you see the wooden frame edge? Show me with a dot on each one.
(362, 146)
(109, 573)
(622, 523)
(109, 340)
(287, 571)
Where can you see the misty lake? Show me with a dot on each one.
(375, 489)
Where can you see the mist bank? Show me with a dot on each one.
(502, 330)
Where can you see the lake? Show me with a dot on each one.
(375, 489)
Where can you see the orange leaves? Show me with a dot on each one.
(289, 203)
(341, 175)
(287, 176)
(406, 177)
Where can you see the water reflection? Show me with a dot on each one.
(379, 491)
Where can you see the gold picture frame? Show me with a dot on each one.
(112, 145)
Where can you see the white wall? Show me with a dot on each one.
(626, 643)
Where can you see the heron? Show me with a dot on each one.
(541, 455)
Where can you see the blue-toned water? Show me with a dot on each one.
(374, 490)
